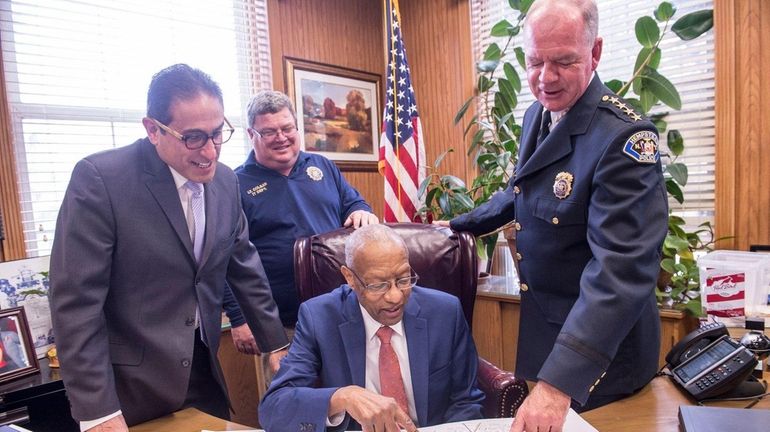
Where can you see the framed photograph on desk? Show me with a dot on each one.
(17, 354)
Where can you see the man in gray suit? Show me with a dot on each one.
(146, 236)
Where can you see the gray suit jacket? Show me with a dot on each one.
(124, 283)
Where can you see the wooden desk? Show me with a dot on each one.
(654, 409)
(187, 420)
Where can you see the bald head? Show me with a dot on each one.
(371, 238)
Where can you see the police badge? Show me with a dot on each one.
(562, 186)
(314, 173)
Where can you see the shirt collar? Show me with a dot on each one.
(371, 325)
(179, 179)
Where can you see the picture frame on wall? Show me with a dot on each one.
(17, 353)
(337, 112)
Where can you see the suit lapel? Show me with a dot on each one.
(416, 330)
(354, 338)
(161, 185)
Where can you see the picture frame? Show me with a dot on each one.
(17, 353)
(25, 283)
(337, 112)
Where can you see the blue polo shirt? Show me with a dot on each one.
(314, 198)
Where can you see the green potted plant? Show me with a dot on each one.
(494, 136)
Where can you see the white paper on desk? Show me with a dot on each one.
(573, 423)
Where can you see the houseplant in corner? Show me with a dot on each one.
(494, 135)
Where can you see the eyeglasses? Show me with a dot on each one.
(197, 139)
(271, 134)
(380, 288)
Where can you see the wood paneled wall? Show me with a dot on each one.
(349, 33)
(13, 245)
(742, 126)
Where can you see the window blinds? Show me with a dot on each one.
(77, 73)
(689, 65)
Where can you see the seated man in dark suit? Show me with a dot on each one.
(378, 351)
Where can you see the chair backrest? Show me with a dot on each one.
(443, 259)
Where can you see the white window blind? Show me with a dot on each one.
(77, 73)
(689, 65)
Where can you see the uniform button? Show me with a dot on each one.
(190, 321)
(185, 362)
(516, 190)
(524, 287)
(518, 256)
(517, 226)
(555, 220)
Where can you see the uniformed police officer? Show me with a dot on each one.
(589, 206)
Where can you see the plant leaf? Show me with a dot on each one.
(660, 124)
(676, 243)
(485, 84)
(525, 5)
(647, 99)
(441, 157)
(694, 24)
(667, 265)
(431, 196)
(464, 200)
(501, 29)
(678, 172)
(614, 85)
(493, 52)
(424, 185)
(647, 31)
(453, 181)
(674, 190)
(675, 142)
(642, 56)
(512, 76)
(665, 11)
(520, 57)
(463, 109)
(662, 88)
(444, 205)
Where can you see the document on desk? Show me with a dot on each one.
(574, 423)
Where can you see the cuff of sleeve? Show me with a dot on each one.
(336, 419)
(85, 425)
(279, 349)
(571, 372)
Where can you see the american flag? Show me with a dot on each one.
(402, 150)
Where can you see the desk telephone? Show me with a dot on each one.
(707, 363)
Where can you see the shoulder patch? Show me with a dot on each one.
(643, 147)
(622, 107)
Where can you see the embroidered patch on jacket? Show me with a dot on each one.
(562, 186)
(315, 173)
(643, 147)
(258, 189)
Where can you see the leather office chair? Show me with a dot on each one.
(444, 260)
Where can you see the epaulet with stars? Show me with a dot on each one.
(622, 108)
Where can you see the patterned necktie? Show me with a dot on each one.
(199, 217)
(391, 381)
(545, 128)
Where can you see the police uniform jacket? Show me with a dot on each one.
(590, 209)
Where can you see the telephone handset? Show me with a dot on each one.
(708, 363)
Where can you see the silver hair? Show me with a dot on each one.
(587, 8)
(371, 235)
(268, 102)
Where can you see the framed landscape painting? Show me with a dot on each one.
(337, 111)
